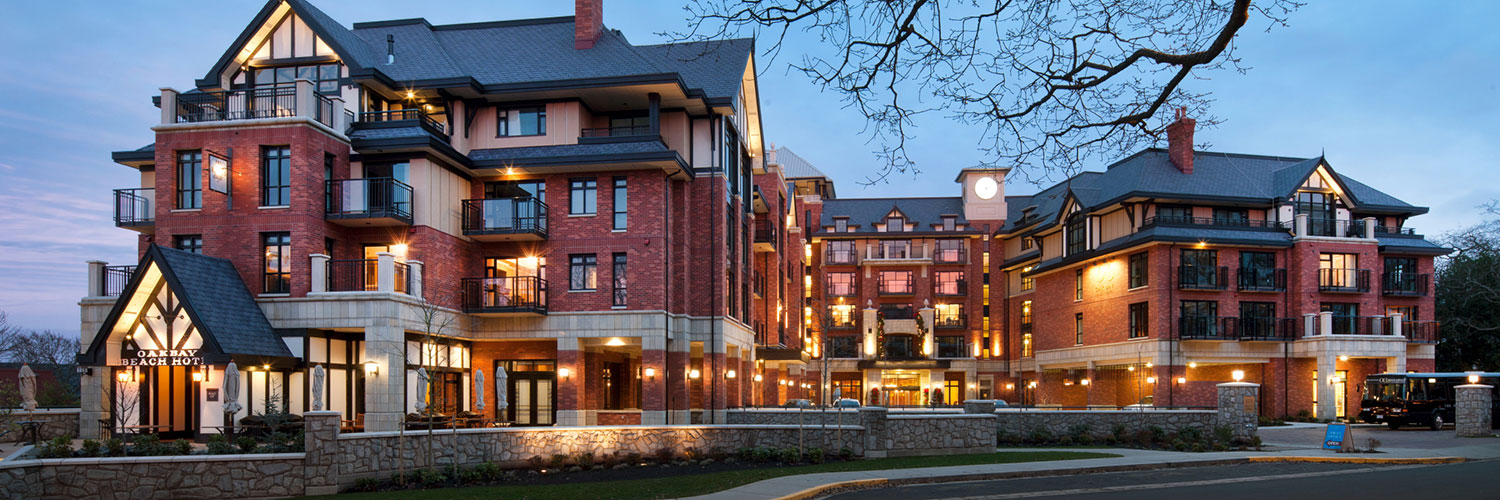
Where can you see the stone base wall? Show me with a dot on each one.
(789, 416)
(55, 422)
(934, 434)
(224, 476)
(382, 454)
(1473, 411)
(1099, 423)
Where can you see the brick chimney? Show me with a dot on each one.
(588, 22)
(1180, 141)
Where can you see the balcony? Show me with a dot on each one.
(505, 219)
(956, 288)
(1267, 329)
(832, 256)
(1396, 231)
(895, 286)
(1202, 328)
(401, 118)
(1202, 277)
(765, 235)
(114, 279)
(840, 320)
(840, 289)
(280, 101)
(1220, 223)
(378, 201)
(1336, 228)
(363, 275)
(950, 255)
(509, 296)
(1404, 284)
(959, 320)
(1361, 325)
(951, 346)
(896, 254)
(1261, 279)
(1421, 332)
(623, 131)
(135, 209)
(1344, 280)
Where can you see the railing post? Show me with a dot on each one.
(1300, 225)
(385, 272)
(1369, 228)
(1396, 326)
(307, 105)
(414, 273)
(1325, 323)
(337, 110)
(168, 105)
(319, 272)
(96, 278)
(1309, 324)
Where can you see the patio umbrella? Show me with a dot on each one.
(500, 393)
(231, 388)
(317, 387)
(838, 393)
(421, 390)
(28, 388)
(479, 389)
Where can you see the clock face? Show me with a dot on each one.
(986, 188)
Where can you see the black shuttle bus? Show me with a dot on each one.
(1418, 399)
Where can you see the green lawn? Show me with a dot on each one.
(699, 484)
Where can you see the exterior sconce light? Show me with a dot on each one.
(650, 372)
(268, 367)
(1333, 380)
(122, 376)
(1148, 365)
(1237, 375)
(1068, 382)
(615, 342)
(1131, 368)
(1192, 364)
(564, 372)
(1473, 378)
(1010, 387)
(1151, 380)
(1084, 382)
(1344, 358)
(693, 374)
(197, 376)
(1181, 380)
(372, 368)
(973, 385)
(759, 378)
(730, 374)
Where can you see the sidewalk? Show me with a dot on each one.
(809, 485)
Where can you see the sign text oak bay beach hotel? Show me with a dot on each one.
(163, 357)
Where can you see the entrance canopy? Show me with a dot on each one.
(185, 309)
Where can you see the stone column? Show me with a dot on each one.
(1369, 228)
(1239, 408)
(732, 396)
(168, 105)
(877, 439)
(385, 390)
(385, 272)
(1396, 325)
(1309, 325)
(415, 267)
(319, 272)
(1473, 411)
(320, 442)
(336, 122)
(1327, 406)
(93, 401)
(569, 386)
(679, 403)
(1396, 364)
(653, 386)
(96, 278)
(1325, 323)
(307, 104)
(1300, 225)
(872, 381)
(929, 344)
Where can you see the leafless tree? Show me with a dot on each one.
(1052, 83)
(436, 323)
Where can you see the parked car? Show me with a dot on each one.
(797, 403)
(846, 403)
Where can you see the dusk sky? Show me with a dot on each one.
(1400, 95)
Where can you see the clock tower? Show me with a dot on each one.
(983, 193)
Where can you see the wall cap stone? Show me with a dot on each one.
(1238, 384)
(504, 430)
(11, 464)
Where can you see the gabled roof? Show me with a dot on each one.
(796, 167)
(352, 50)
(865, 212)
(216, 300)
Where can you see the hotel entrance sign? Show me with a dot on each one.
(163, 357)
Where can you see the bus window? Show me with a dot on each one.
(1384, 390)
(1418, 391)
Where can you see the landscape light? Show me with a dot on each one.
(1238, 375)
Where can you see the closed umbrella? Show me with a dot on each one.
(501, 394)
(231, 388)
(28, 388)
(838, 393)
(317, 387)
(479, 389)
(421, 390)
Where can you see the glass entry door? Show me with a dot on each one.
(169, 401)
(532, 387)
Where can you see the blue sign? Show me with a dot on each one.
(1333, 438)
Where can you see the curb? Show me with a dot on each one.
(882, 482)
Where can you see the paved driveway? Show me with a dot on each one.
(1420, 440)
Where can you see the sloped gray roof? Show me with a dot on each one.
(212, 289)
(568, 150)
(796, 167)
(864, 212)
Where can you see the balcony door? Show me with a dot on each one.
(382, 196)
(501, 210)
(505, 283)
(532, 392)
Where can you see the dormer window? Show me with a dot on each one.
(895, 224)
(841, 225)
(1077, 235)
(950, 223)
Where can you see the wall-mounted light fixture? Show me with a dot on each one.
(1344, 357)
(564, 372)
(1192, 364)
(694, 374)
(730, 374)
(1010, 387)
(122, 376)
(650, 372)
(197, 376)
(1181, 380)
(1151, 380)
(372, 368)
(1083, 382)
(758, 378)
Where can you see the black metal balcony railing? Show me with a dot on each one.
(895, 286)
(950, 321)
(950, 255)
(505, 216)
(838, 256)
(842, 348)
(1202, 277)
(840, 289)
(1201, 328)
(240, 104)
(1398, 283)
(624, 131)
(135, 207)
(950, 288)
(363, 275)
(1362, 325)
(898, 312)
(369, 198)
(1256, 328)
(897, 252)
(1337, 228)
(1262, 279)
(400, 115)
(951, 347)
(1344, 280)
(1168, 220)
(114, 279)
(1395, 231)
(508, 294)
(765, 232)
(1424, 332)
(840, 320)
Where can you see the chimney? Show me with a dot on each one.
(588, 22)
(1180, 141)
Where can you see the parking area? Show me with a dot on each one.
(1298, 436)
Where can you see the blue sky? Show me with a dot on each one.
(1401, 95)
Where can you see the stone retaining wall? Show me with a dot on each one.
(792, 416)
(946, 434)
(1057, 423)
(221, 476)
(55, 422)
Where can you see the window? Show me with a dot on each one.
(841, 284)
(1140, 270)
(629, 124)
(843, 347)
(950, 250)
(277, 251)
(582, 273)
(840, 252)
(950, 283)
(276, 176)
(189, 179)
(1174, 213)
(1231, 216)
(516, 189)
(515, 122)
(1199, 318)
(895, 224)
(1338, 271)
(841, 316)
(895, 282)
(188, 243)
(1401, 276)
(1257, 320)
(897, 311)
(1258, 271)
(1078, 328)
(328, 160)
(621, 204)
(1077, 284)
(841, 225)
(950, 223)
(1140, 320)
(950, 346)
(582, 196)
(1077, 234)
(618, 274)
(1345, 317)
(1028, 243)
(324, 76)
(1200, 269)
(1027, 282)
(949, 315)
(1026, 345)
(1025, 316)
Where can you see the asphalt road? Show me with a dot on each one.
(1268, 481)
